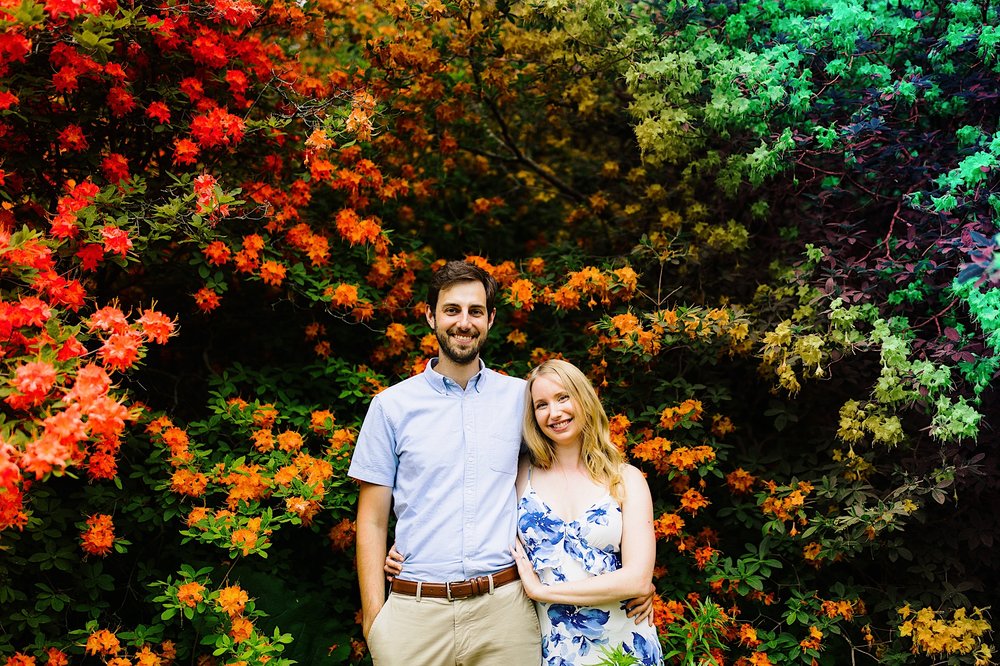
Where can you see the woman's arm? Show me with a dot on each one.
(638, 557)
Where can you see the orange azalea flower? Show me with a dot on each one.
(704, 555)
(429, 345)
(319, 140)
(814, 640)
(748, 636)
(241, 630)
(652, 450)
(119, 661)
(722, 426)
(175, 439)
(322, 421)
(535, 266)
(99, 536)
(619, 425)
(273, 273)
(185, 151)
(344, 295)
(740, 481)
(190, 594)
(290, 441)
(156, 326)
(668, 525)
(566, 298)
(363, 312)
(232, 600)
(120, 350)
(247, 484)
(265, 415)
(760, 659)
(34, 380)
(103, 642)
(56, 657)
(687, 458)
(19, 659)
(146, 657)
(521, 295)
(286, 475)
(263, 440)
(196, 515)
(305, 509)
(342, 438)
(207, 299)
(186, 482)
(217, 253)
(108, 318)
(399, 340)
(628, 278)
(666, 613)
(342, 534)
(168, 650)
(313, 330)
(671, 416)
(811, 551)
(245, 538)
(625, 323)
(692, 501)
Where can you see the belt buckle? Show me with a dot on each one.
(447, 591)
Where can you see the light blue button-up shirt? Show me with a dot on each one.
(450, 456)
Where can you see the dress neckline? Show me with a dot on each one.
(600, 500)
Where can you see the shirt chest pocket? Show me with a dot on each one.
(503, 452)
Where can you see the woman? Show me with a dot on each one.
(585, 524)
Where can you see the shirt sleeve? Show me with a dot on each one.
(375, 460)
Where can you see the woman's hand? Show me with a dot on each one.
(529, 579)
(393, 563)
(641, 608)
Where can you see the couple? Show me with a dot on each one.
(441, 450)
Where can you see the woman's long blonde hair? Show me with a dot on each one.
(602, 458)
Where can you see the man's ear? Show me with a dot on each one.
(429, 313)
(493, 315)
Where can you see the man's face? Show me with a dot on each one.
(460, 321)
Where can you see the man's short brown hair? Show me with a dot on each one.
(454, 272)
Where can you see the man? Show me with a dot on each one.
(443, 447)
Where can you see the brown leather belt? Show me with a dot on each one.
(462, 589)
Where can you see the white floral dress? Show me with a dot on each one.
(565, 551)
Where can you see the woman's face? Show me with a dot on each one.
(557, 415)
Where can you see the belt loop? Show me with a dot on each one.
(447, 590)
(419, 585)
(490, 576)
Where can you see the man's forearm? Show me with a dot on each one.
(371, 552)
(373, 531)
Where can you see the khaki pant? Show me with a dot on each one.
(499, 629)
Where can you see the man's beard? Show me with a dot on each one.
(456, 355)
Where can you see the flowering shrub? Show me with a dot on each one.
(764, 230)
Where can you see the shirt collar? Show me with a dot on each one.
(442, 384)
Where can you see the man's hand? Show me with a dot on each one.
(393, 563)
(529, 579)
(641, 608)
